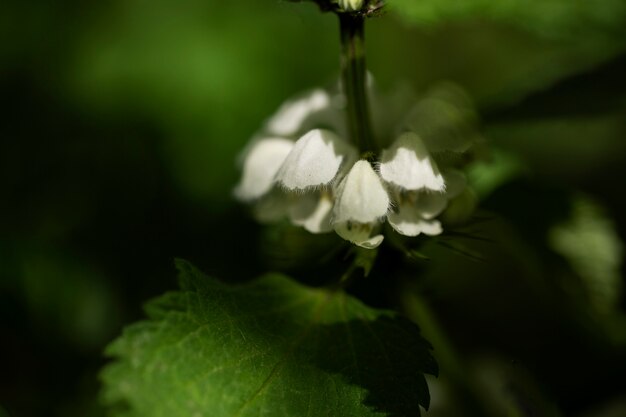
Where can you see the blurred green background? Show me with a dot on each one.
(123, 119)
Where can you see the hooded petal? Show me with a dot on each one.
(361, 196)
(313, 212)
(260, 166)
(314, 160)
(408, 164)
(408, 222)
(292, 115)
(359, 234)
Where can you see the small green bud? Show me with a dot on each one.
(351, 5)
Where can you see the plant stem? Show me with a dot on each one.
(353, 74)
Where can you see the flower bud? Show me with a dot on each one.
(351, 5)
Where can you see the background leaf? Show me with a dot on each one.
(551, 18)
(594, 250)
(500, 51)
(272, 347)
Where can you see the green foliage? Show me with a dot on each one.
(589, 242)
(578, 19)
(273, 348)
(198, 71)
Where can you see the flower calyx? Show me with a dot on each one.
(365, 8)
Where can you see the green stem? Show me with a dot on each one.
(353, 74)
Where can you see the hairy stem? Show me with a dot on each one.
(353, 74)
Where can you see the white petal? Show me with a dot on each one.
(430, 205)
(291, 116)
(408, 164)
(313, 212)
(359, 234)
(361, 196)
(260, 165)
(314, 160)
(408, 222)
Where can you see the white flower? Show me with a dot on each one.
(361, 203)
(408, 165)
(314, 160)
(408, 221)
(301, 168)
(313, 212)
(294, 114)
(416, 211)
(261, 163)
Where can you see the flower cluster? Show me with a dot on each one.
(300, 167)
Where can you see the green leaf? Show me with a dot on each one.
(579, 19)
(591, 244)
(269, 348)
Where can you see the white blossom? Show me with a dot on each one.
(408, 221)
(313, 212)
(407, 164)
(416, 212)
(361, 202)
(302, 168)
(292, 115)
(314, 160)
(261, 163)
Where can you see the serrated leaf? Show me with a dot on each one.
(269, 348)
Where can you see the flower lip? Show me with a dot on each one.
(359, 234)
(313, 212)
(408, 221)
(314, 160)
(408, 165)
